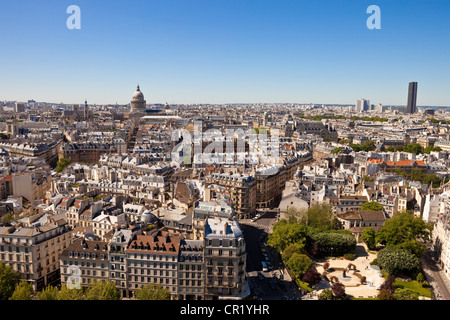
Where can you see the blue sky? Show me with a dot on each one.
(225, 51)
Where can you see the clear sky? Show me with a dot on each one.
(225, 51)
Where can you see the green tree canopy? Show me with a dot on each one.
(152, 292)
(396, 260)
(299, 263)
(8, 281)
(23, 291)
(62, 164)
(371, 206)
(70, 294)
(320, 216)
(413, 148)
(102, 290)
(368, 236)
(404, 230)
(285, 233)
(290, 250)
(48, 293)
(405, 294)
(431, 148)
(366, 146)
(331, 243)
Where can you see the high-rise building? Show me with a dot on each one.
(86, 111)
(412, 98)
(19, 107)
(362, 105)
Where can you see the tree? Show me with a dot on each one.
(404, 230)
(366, 146)
(290, 250)
(413, 148)
(338, 290)
(7, 218)
(152, 292)
(431, 148)
(23, 291)
(326, 294)
(344, 141)
(299, 263)
(285, 234)
(70, 294)
(369, 237)
(320, 216)
(385, 295)
(335, 244)
(102, 290)
(48, 293)
(388, 284)
(337, 150)
(62, 164)
(395, 260)
(405, 294)
(8, 281)
(312, 276)
(293, 215)
(371, 206)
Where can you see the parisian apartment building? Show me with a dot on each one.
(32, 248)
(207, 268)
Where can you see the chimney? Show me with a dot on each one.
(225, 228)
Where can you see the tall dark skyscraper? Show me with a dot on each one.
(412, 98)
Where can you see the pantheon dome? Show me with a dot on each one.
(138, 103)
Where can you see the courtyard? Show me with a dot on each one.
(360, 267)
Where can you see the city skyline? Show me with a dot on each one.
(218, 53)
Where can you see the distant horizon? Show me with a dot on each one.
(229, 103)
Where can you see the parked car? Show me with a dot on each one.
(264, 266)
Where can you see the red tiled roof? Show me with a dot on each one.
(375, 160)
(405, 163)
(160, 242)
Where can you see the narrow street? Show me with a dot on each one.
(435, 276)
(274, 283)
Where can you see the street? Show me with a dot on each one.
(273, 283)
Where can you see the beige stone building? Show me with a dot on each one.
(90, 256)
(32, 248)
(225, 260)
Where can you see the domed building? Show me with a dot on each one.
(138, 103)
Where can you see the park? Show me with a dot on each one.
(326, 261)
